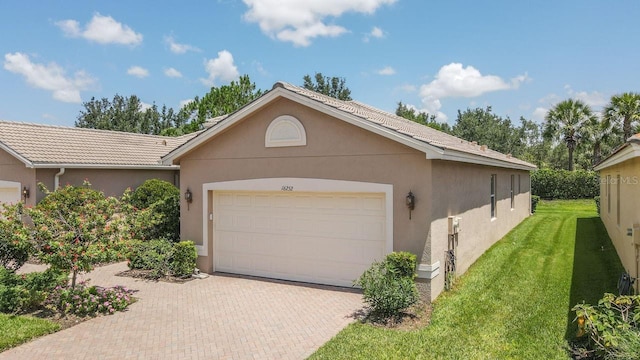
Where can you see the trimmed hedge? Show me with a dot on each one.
(163, 198)
(563, 184)
(164, 258)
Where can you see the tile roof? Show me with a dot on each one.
(406, 127)
(43, 145)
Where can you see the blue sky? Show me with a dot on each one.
(438, 56)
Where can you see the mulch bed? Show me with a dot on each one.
(148, 275)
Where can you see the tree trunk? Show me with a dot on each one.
(570, 158)
(73, 279)
(626, 128)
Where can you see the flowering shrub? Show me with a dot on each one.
(27, 291)
(83, 300)
(15, 244)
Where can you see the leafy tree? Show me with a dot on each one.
(15, 240)
(623, 112)
(489, 129)
(567, 121)
(162, 199)
(330, 86)
(127, 114)
(70, 220)
(219, 101)
(421, 117)
(601, 136)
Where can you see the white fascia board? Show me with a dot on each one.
(629, 152)
(16, 155)
(453, 155)
(105, 166)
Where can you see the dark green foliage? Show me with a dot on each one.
(24, 292)
(330, 86)
(163, 199)
(612, 326)
(421, 117)
(163, 258)
(183, 259)
(388, 287)
(15, 244)
(535, 199)
(127, 114)
(486, 128)
(222, 100)
(564, 184)
(597, 200)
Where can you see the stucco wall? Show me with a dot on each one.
(470, 200)
(12, 169)
(334, 150)
(112, 182)
(629, 172)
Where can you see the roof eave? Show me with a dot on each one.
(454, 155)
(16, 155)
(104, 166)
(629, 151)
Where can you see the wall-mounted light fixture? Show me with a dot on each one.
(411, 203)
(188, 195)
(25, 193)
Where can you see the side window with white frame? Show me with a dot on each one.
(513, 187)
(494, 178)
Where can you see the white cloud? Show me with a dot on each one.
(455, 80)
(178, 48)
(145, 106)
(387, 70)
(593, 99)
(103, 30)
(138, 72)
(376, 32)
(185, 102)
(49, 77)
(539, 113)
(221, 68)
(301, 21)
(172, 73)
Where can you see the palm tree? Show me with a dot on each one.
(566, 121)
(600, 135)
(623, 110)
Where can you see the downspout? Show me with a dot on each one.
(56, 179)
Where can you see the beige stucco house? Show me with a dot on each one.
(54, 155)
(300, 186)
(620, 202)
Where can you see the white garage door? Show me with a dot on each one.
(9, 192)
(325, 238)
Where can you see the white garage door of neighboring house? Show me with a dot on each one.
(9, 192)
(325, 238)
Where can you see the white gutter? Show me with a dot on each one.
(56, 179)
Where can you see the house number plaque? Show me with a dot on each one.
(287, 188)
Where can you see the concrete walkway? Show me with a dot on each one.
(220, 317)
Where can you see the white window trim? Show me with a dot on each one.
(276, 124)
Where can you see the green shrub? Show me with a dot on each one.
(163, 257)
(388, 287)
(612, 326)
(535, 199)
(597, 200)
(183, 259)
(24, 292)
(564, 184)
(152, 255)
(15, 244)
(163, 199)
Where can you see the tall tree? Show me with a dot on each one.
(126, 114)
(219, 101)
(623, 111)
(567, 121)
(487, 128)
(331, 86)
(421, 117)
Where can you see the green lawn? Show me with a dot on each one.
(15, 330)
(513, 303)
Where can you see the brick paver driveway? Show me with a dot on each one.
(220, 317)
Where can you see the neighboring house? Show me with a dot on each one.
(54, 155)
(300, 186)
(620, 202)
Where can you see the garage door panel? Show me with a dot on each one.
(312, 237)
